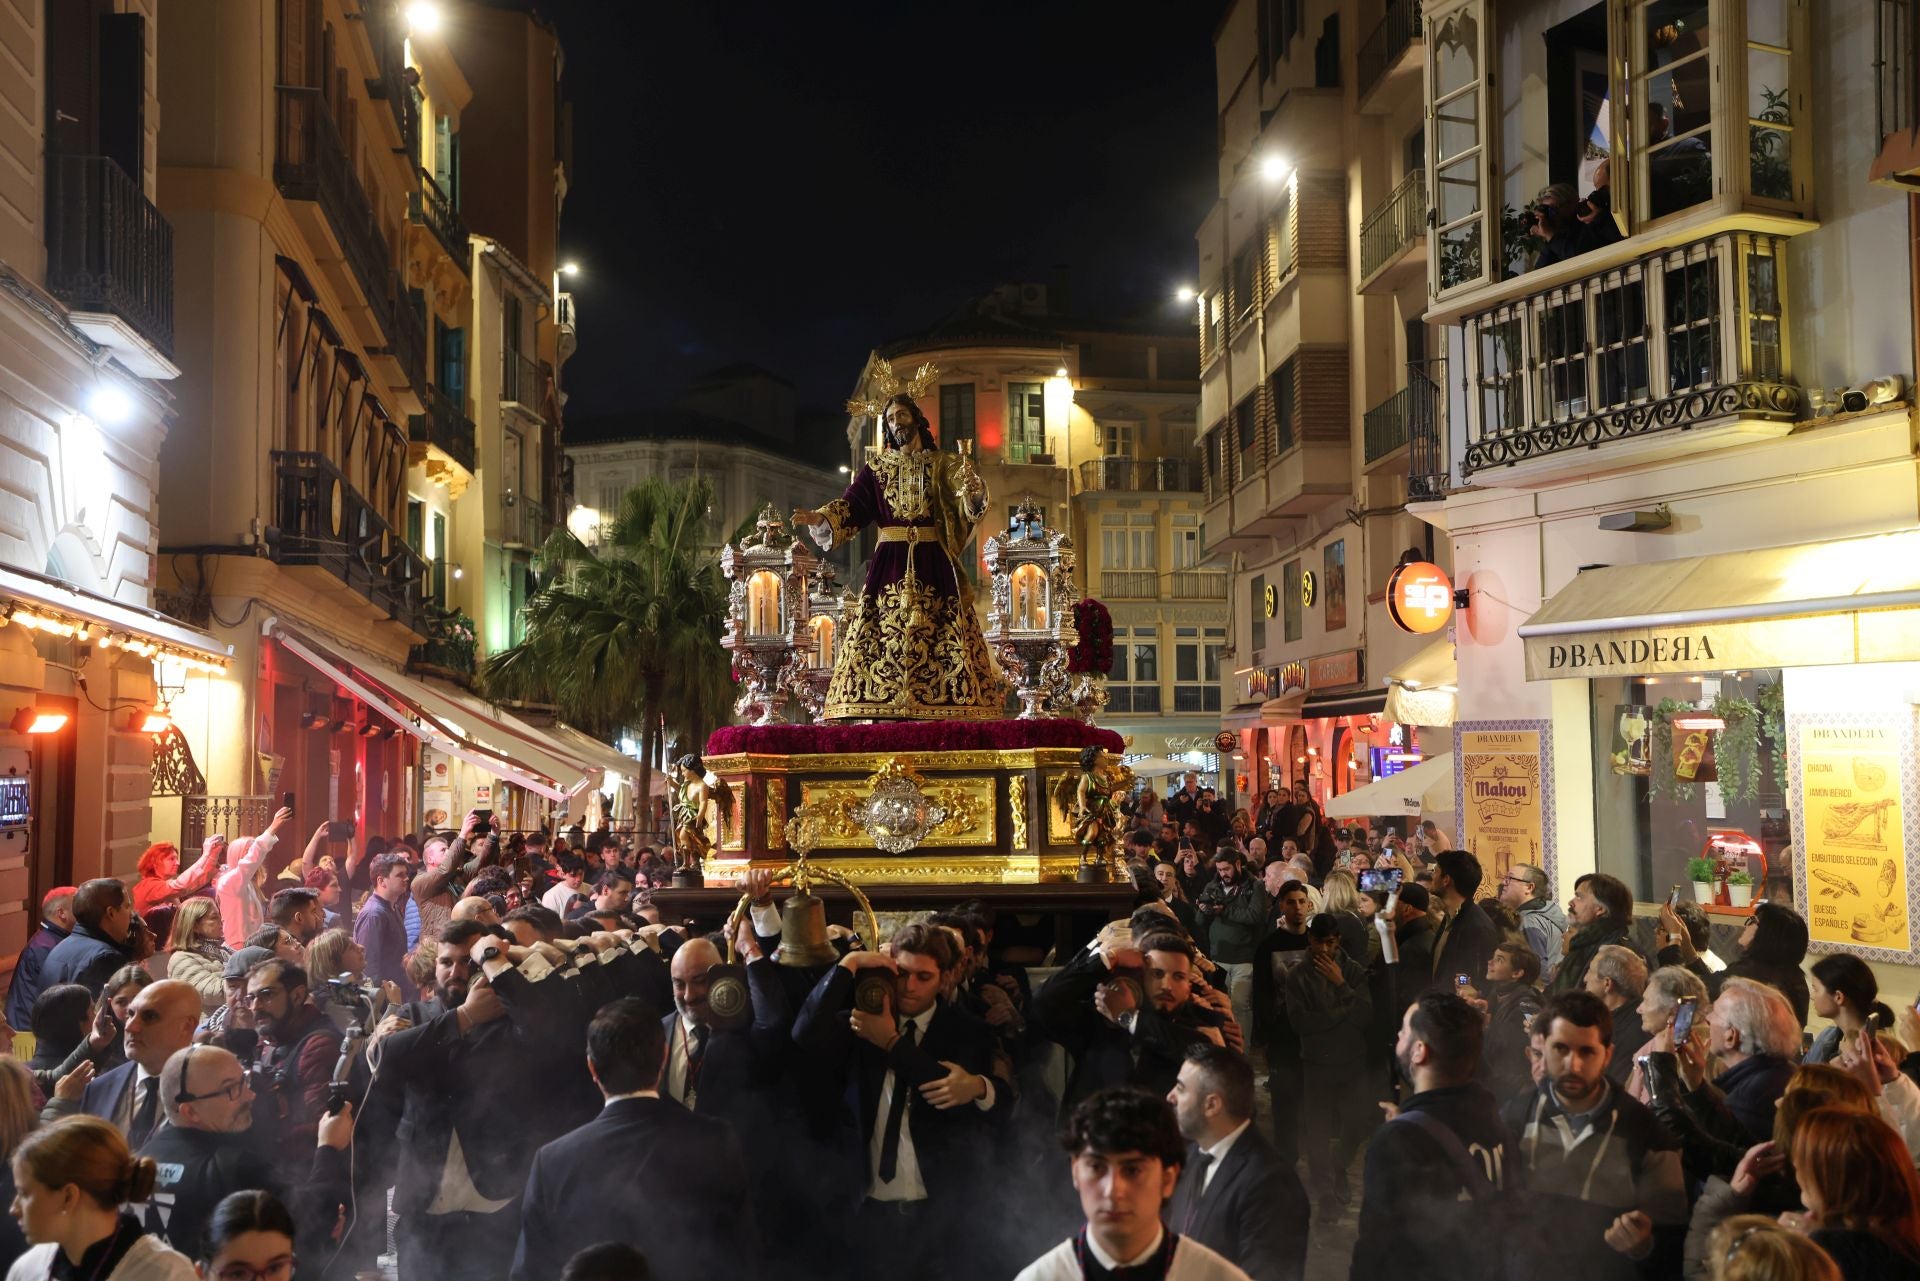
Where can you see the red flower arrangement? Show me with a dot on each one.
(1093, 652)
(909, 736)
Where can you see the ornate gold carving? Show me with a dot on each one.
(1017, 808)
(1059, 821)
(914, 652)
(776, 813)
(836, 803)
(882, 383)
(868, 762)
(950, 870)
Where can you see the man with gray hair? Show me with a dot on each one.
(1526, 890)
(1619, 977)
(1753, 1030)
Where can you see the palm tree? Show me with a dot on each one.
(625, 636)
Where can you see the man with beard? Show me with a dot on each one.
(207, 1150)
(299, 1046)
(466, 1138)
(1236, 1195)
(1607, 1198)
(1126, 1014)
(1601, 913)
(1233, 909)
(1438, 1172)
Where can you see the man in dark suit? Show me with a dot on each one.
(721, 1072)
(919, 1074)
(101, 939)
(465, 1134)
(1235, 1195)
(160, 1021)
(682, 1172)
(1467, 940)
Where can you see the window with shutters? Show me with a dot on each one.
(956, 412)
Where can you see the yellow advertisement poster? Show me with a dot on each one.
(1501, 807)
(1855, 850)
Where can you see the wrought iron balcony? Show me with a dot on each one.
(431, 208)
(1130, 584)
(520, 382)
(450, 647)
(108, 248)
(408, 336)
(388, 31)
(321, 519)
(1670, 341)
(1118, 472)
(524, 522)
(1396, 420)
(311, 164)
(1396, 31)
(1394, 226)
(1426, 441)
(1198, 584)
(446, 427)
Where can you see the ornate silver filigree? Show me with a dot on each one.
(897, 815)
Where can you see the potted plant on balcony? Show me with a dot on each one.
(1739, 889)
(1701, 872)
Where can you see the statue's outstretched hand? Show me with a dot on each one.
(805, 517)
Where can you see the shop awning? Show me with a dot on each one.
(1358, 702)
(1421, 690)
(403, 701)
(1426, 788)
(595, 752)
(1241, 716)
(1855, 600)
(40, 603)
(498, 733)
(1284, 710)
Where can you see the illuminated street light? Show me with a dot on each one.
(569, 268)
(1274, 167)
(108, 405)
(423, 17)
(1184, 293)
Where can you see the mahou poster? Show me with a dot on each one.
(1855, 846)
(1502, 815)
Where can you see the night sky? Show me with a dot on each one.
(793, 184)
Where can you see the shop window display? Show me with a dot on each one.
(1689, 786)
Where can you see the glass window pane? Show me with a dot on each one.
(1770, 153)
(1680, 175)
(1459, 254)
(1186, 663)
(1456, 53)
(1459, 190)
(1675, 29)
(1146, 698)
(1457, 126)
(1767, 22)
(1767, 85)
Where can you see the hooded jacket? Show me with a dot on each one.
(242, 910)
(1545, 927)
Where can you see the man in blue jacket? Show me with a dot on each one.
(103, 923)
(56, 922)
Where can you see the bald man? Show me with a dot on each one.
(475, 909)
(160, 1022)
(717, 1071)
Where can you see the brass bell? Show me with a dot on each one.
(803, 933)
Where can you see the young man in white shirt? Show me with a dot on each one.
(1126, 1151)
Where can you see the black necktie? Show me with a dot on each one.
(145, 1113)
(896, 1113)
(696, 1055)
(1202, 1162)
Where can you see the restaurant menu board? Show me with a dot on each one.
(1502, 816)
(1855, 848)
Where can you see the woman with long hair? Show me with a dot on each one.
(1340, 898)
(71, 1180)
(18, 1114)
(1752, 1247)
(1763, 1182)
(197, 951)
(162, 881)
(1860, 1193)
(1175, 895)
(334, 955)
(249, 1237)
(1843, 989)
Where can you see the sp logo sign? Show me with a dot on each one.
(1419, 597)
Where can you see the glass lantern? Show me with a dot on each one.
(817, 639)
(1030, 618)
(766, 611)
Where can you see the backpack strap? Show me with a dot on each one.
(1478, 1185)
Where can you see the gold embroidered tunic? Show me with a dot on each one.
(913, 649)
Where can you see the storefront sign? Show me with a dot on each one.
(1419, 597)
(1854, 842)
(1819, 640)
(1271, 600)
(1293, 678)
(1502, 817)
(1334, 671)
(16, 801)
(436, 787)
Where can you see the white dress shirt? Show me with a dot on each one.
(906, 1184)
(1219, 1153)
(130, 1100)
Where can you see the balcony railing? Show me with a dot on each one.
(231, 816)
(408, 335)
(519, 381)
(446, 427)
(1199, 584)
(1164, 475)
(524, 522)
(450, 645)
(1426, 441)
(1668, 341)
(108, 248)
(311, 164)
(1384, 427)
(1389, 40)
(1394, 224)
(1130, 584)
(1895, 56)
(430, 207)
(387, 30)
(321, 519)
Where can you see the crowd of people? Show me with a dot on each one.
(489, 1057)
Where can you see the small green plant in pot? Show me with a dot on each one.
(1739, 889)
(1700, 872)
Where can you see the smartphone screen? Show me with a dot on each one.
(286, 800)
(1683, 1014)
(1673, 897)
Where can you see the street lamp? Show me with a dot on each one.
(423, 17)
(569, 268)
(108, 405)
(1274, 167)
(1184, 293)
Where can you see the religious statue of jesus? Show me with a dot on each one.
(912, 649)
